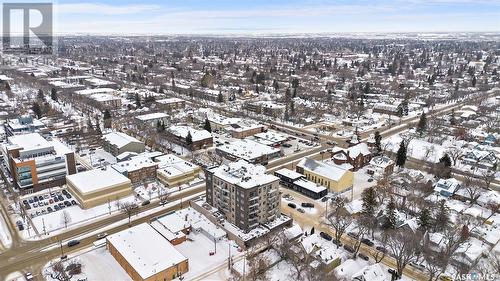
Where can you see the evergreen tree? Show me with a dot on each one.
(207, 125)
(220, 97)
(369, 197)
(442, 216)
(189, 139)
(378, 141)
(312, 230)
(401, 155)
(390, 214)
(37, 110)
(453, 121)
(422, 123)
(137, 100)
(107, 114)
(53, 94)
(473, 81)
(40, 94)
(424, 218)
(445, 160)
(158, 126)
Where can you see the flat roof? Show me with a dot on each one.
(152, 116)
(145, 250)
(309, 185)
(247, 149)
(244, 174)
(120, 139)
(289, 173)
(96, 180)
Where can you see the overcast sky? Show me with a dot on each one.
(274, 16)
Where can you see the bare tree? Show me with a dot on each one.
(454, 153)
(472, 189)
(65, 218)
(258, 266)
(338, 217)
(403, 246)
(487, 177)
(128, 208)
(299, 260)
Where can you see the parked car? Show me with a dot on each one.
(307, 205)
(367, 241)
(337, 242)
(324, 199)
(363, 256)
(292, 205)
(381, 249)
(56, 207)
(300, 210)
(73, 243)
(349, 248)
(73, 202)
(49, 209)
(67, 203)
(101, 235)
(352, 235)
(145, 203)
(325, 236)
(163, 202)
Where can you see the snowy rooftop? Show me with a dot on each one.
(196, 135)
(289, 173)
(96, 180)
(152, 116)
(173, 165)
(135, 163)
(169, 100)
(119, 139)
(244, 174)
(30, 141)
(247, 149)
(145, 250)
(309, 185)
(271, 136)
(96, 91)
(327, 170)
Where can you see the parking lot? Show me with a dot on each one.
(37, 205)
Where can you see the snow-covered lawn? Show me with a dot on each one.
(5, 239)
(197, 251)
(417, 148)
(96, 265)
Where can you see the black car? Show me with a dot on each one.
(349, 248)
(35, 199)
(56, 207)
(392, 271)
(25, 202)
(337, 242)
(60, 198)
(49, 209)
(56, 199)
(307, 205)
(73, 243)
(352, 235)
(367, 241)
(381, 249)
(67, 196)
(20, 225)
(325, 236)
(363, 256)
(40, 198)
(61, 205)
(324, 199)
(292, 205)
(73, 202)
(67, 203)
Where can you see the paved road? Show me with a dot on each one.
(29, 254)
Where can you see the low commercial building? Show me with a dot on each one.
(171, 103)
(146, 255)
(107, 100)
(36, 163)
(173, 170)
(117, 142)
(244, 193)
(245, 129)
(138, 168)
(96, 187)
(334, 177)
(22, 125)
(248, 150)
(297, 182)
(271, 138)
